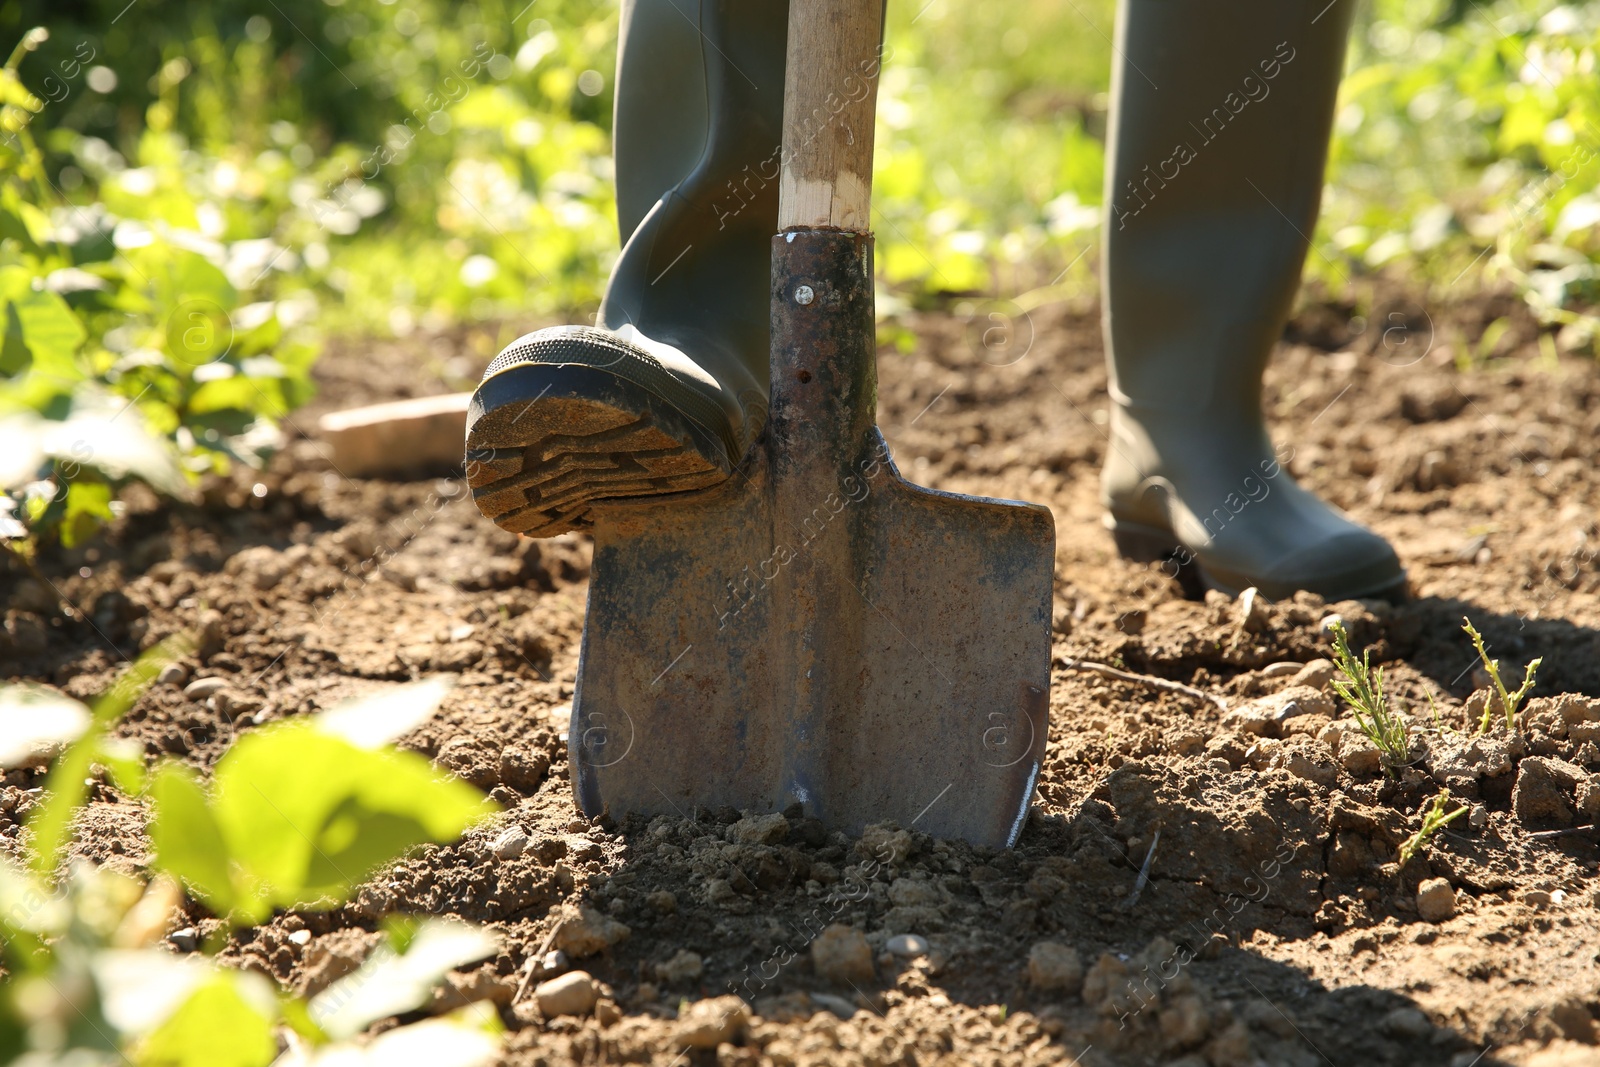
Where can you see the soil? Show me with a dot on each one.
(1193, 886)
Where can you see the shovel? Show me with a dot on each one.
(816, 631)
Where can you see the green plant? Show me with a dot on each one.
(1509, 701)
(1362, 688)
(1432, 819)
(296, 815)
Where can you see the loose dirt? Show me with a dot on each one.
(1194, 886)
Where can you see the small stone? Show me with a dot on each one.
(209, 632)
(606, 1012)
(1052, 965)
(907, 946)
(841, 954)
(589, 932)
(202, 688)
(551, 964)
(1407, 1022)
(173, 674)
(708, 1023)
(684, 966)
(1536, 898)
(300, 937)
(511, 843)
(233, 704)
(1325, 627)
(1316, 674)
(1436, 901)
(573, 993)
(186, 939)
(759, 830)
(1287, 669)
(1253, 615)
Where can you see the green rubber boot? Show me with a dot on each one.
(1219, 134)
(668, 393)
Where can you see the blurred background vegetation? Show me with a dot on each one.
(194, 194)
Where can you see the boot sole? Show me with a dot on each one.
(1150, 544)
(545, 441)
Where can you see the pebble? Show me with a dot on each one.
(1407, 1022)
(185, 940)
(841, 954)
(1436, 901)
(1316, 674)
(573, 993)
(1536, 898)
(301, 937)
(1253, 615)
(708, 1023)
(907, 946)
(173, 674)
(1325, 627)
(1052, 965)
(1287, 669)
(201, 688)
(511, 843)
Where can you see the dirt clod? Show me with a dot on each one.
(841, 955)
(708, 1023)
(1054, 966)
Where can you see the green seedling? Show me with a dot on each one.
(1432, 820)
(1508, 700)
(1362, 688)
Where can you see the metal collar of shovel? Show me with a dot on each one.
(816, 630)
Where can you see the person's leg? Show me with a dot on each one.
(1219, 129)
(668, 393)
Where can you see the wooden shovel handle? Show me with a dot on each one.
(830, 100)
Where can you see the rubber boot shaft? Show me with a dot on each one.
(1218, 142)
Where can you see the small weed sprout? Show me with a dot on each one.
(1432, 820)
(1362, 688)
(1508, 700)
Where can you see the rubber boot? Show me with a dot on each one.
(1219, 133)
(667, 393)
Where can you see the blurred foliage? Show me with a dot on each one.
(190, 188)
(296, 814)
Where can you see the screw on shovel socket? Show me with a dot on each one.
(804, 295)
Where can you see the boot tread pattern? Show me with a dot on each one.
(546, 487)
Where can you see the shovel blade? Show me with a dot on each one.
(921, 699)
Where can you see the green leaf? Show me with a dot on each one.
(188, 843)
(36, 721)
(49, 328)
(309, 815)
(386, 984)
(369, 722)
(216, 1027)
(88, 508)
(14, 355)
